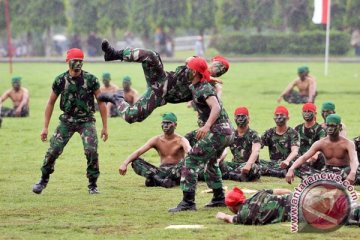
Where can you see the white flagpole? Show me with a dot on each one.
(327, 39)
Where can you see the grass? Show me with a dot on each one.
(126, 209)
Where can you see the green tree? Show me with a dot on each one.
(235, 13)
(262, 12)
(352, 14)
(202, 15)
(299, 15)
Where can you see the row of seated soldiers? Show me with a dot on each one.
(285, 146)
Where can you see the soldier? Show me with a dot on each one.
(265, 207)
(162, 87)
(171, 148)
(213, 138)
(283, 143)
(130, 94)
(340, 154)
(109, 88)
(245, 149)
(309, 132)
(306, 85)
(19, 97)
(77, 89)
(271, 206)
(328, 108)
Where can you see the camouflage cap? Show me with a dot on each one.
(169, 117)
(326, 106)
(333, 118)
(303, 69)
(16, 79)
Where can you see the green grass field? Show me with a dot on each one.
(126, 209)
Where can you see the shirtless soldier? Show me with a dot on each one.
(108, 87)
(339, 152)
(306, 85)
(171, 148)
(20, 99)
(130, 94)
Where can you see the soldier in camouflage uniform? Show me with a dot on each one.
(171, 148)
(265, 207)
(245, 149)
(306, 85)
(328, 108)
(283, 143)
(162, 87)
(357, 145)
(309, 132)
(19, 97)
(213, 138)
(77, 89)
(339, 152)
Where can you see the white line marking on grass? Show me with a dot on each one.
(184, 226)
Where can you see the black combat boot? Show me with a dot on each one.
(163, 182)
(218, 199)
(150, 182)
(115, 98)
(41, 185)
(239, 177)
(280, 173)
(110, 53)
(93, 186)
(187, 204)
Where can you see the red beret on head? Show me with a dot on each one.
(74, 53)
(234, 197)
(199, 64)
(281, 110)
(241, 110)
(309, 107)
(222, 60)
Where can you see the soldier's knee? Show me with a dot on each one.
(91, 154)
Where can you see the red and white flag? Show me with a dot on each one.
(320, 11)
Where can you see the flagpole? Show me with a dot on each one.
(326, 65)
(8, 31)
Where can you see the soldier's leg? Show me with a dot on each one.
(89, 138)
(143, 168)
(294, 97)
(272, 169)
(7, 112)
(58, 141)
(24, 112)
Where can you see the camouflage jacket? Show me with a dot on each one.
(309, 135)
(280, 145)
(241, 148)
(357, 146)
(77, 96)
(264, 208)
(178, 86)
(200, 92)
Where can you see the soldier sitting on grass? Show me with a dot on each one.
(171, 148)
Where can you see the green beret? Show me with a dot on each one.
(106, 76)
(333, 118)
(169, 117)
(127, 79)
(326, 106)
(16, 79)
(303, 69)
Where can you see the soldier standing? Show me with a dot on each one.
(77, 89)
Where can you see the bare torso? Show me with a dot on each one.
(304, 86)
(171, 151)
(336, 153)
(17, 97)
(110, 89)
(131, 96)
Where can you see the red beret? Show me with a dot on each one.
(281, 110)
(234, 197)
(241, 110)
(74, 53)
(309, 107)
(222, 60)
(199, 64)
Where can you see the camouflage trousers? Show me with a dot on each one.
(272, 168)
(147, 170)
(235, 167)
(156, 80)
(204, 154)
(11, 112)
(357, 146)
(294, 97)
(306, 170)
(61, 137)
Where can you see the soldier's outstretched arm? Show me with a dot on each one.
(354, 162)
